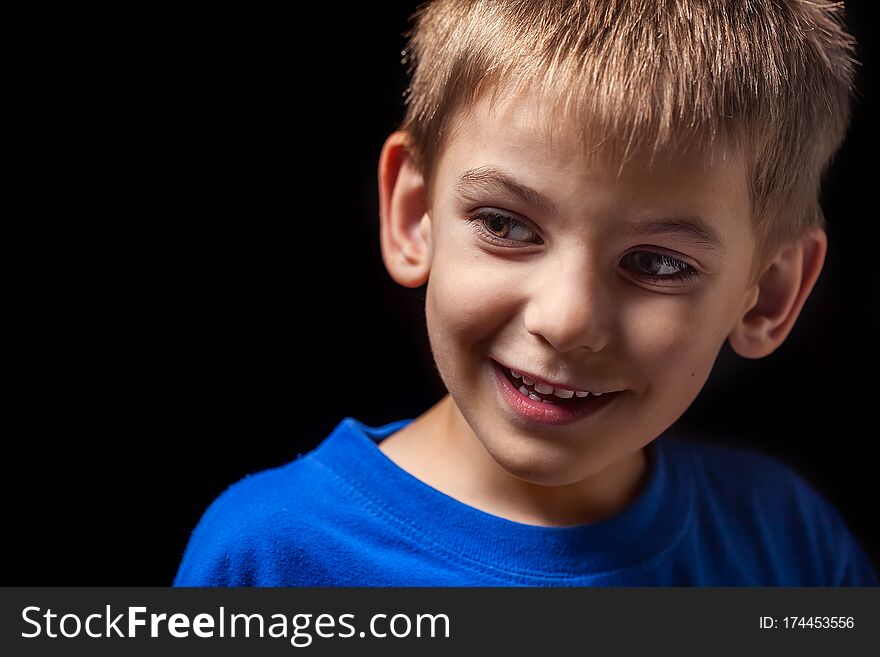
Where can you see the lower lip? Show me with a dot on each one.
(542, 413)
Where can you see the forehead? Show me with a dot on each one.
(527, 127)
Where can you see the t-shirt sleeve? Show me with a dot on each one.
(219, 551)
(788, 532)
(853, 567)
(857, 569)
(842, 558)
(259, 532)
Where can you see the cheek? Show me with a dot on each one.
(468, 298)
(670, 339)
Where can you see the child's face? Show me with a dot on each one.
(567, 295)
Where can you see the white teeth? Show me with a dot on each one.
(545, 389)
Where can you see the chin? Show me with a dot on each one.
(540, 464)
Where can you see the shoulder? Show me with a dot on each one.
(743, 474)
(256, 523)
(756, 498)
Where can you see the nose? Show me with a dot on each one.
(569, 305)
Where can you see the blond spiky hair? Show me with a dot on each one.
(772, 78)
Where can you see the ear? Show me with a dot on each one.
(774, 303)
(405, 227)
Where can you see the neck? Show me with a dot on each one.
(440, 448)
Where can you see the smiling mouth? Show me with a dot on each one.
(568, 398)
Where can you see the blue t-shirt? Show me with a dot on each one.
(346, 515)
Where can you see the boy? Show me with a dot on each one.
(598, 195)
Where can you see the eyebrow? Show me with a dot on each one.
(693, 229)
(488, 180)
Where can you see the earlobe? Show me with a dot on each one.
(404, 229)
(772, 306)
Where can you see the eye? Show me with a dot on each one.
(658, 267)
(497, 228)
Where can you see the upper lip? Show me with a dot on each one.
(564, 386)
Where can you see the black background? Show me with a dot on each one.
(196, 292)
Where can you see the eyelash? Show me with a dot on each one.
(477, 223)
(687, 272)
